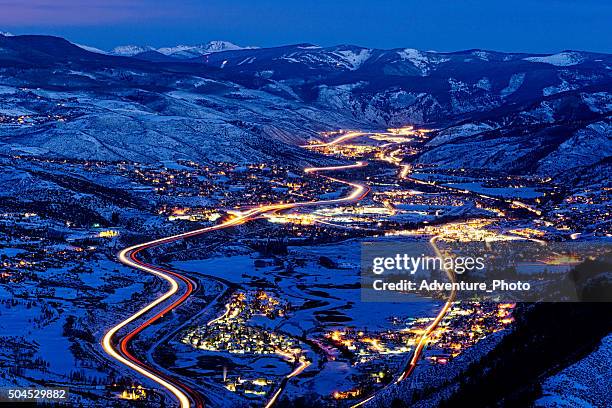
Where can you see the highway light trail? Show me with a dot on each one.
(425, 337)
(184, 394)
(123, 355)
(338, 140)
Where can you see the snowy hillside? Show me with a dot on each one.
(583, 384)
(563, 59)
(503, 111)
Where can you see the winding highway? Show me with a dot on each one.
(119, 349)
(181, 288)
(128, 256)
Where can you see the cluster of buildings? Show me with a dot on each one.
(420, 198)
(379, 356)
(234, 332)
(587, 211)
(133, 393)
(227, 185)
(230, 332)
(25, 120)
(465, 325)
(30, 249)
(249, 387)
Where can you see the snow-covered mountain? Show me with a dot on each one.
(178, 51)
(117, 108)
(410, 86)
(504, 111)
(192, 51)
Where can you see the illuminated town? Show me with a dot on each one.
(406, 201)
(200, 226)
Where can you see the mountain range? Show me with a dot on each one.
(514, 112)
(178, 51)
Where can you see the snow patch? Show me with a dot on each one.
(417, 58)
(483, 55)
(421, 60)
(130, 50)
(354, 59)
(455, 132)
(600, 102)
(564, 86)
(516, 80)
(562, 59)
(484, 83)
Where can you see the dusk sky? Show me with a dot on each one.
(445, 25)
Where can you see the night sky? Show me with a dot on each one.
(445, 25)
